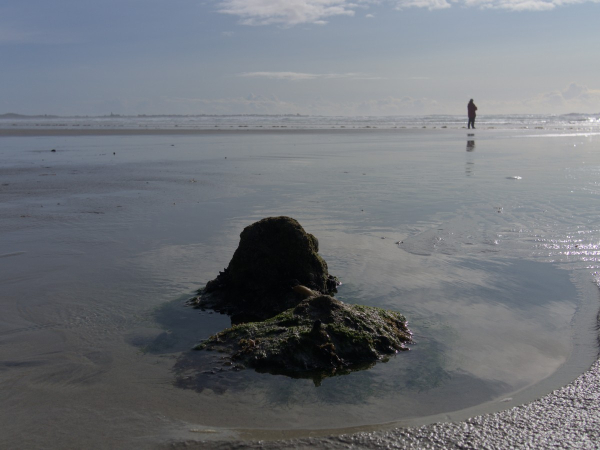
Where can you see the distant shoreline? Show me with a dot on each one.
(34, 132)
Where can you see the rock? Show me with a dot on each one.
(277, 291)
(274, 255)
(320, 337)
(306, 292)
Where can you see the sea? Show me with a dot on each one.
(487, 240)
(574, 121)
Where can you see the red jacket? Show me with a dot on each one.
(471, 108)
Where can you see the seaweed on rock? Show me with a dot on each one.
(319, 337)
(277, 290)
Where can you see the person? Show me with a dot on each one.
(471, 108)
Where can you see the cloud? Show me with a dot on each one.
(397, 106)
(286, 12)
(510, 5)
(514, 5)
(576, 91)
(292, 76)
(429, 4)
(574, 98)
(300, 76)
(250, 104)
(270, 104)
(294, 12)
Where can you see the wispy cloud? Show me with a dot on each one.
(286, 12)
(429, 4)
(574, 98)
(291, 76)
(294, 12)
(301, 76)
(510, 5)
(251, 104)
(259, 104)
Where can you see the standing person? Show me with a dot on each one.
(471, 108)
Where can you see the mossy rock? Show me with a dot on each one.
(277, 290)
(319, 337)
(274, 254)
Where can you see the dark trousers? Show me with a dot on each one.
(471, 122)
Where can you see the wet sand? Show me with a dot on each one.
(79, 234)
(49, 132)
(567, 418)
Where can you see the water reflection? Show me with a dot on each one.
(469, 164)
(485, 325)
(450, 367)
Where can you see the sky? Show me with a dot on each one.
(323, 57)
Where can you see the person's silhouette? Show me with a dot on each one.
(471, 108)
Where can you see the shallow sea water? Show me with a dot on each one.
(487, 243)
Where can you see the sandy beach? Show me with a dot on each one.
(437, 163)
(105, 237)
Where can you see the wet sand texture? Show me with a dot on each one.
(103, 240)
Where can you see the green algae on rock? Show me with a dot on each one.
(274, 255)
(319, 337)
(277, 291)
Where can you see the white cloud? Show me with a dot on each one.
(286, 12)
(574, 98)
(429, 4)
(510, 5)
(521, 5)
(300, 76)
(294, 12)
(292, 76)
(574, 91)
(270, 104)
(397, 106)
(251, 104)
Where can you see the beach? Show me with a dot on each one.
(487, 243)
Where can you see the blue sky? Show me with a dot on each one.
(355, 57)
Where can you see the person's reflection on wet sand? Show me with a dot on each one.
(469, 164)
